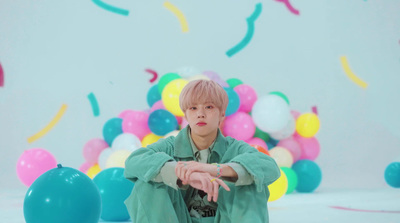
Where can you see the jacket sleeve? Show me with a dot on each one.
(261, 167)
(145, 163)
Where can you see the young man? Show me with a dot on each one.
(180, 179)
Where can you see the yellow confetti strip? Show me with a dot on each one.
(49, 126)
(350, 73)
(179, 14)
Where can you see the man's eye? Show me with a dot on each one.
(192, 108)
(209, 107)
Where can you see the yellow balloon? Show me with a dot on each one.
(282, 156)
(93, 171)
(150, 139)
(117, 158)
(307, 125)
(278, 188)
(170, 96)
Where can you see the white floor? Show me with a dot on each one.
(349, 206)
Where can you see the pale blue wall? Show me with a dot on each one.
(57, 52)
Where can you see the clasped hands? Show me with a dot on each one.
(200, 176)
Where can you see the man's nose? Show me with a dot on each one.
(200, 113)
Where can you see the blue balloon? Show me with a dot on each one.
(392, 174)
(162, 122)
(62, 195)
(153, 95)
(234, 101)
(114, 190)
(112, 129)
(309, 175)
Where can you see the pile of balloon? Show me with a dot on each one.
(267, 123)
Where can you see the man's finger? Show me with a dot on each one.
(223, 184)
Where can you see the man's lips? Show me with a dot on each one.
(201, 123)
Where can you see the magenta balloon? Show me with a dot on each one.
(33, 163)
(239, 125)
(247, 95)
(135, 122)
(158, 105)
(92, 149)
(293, 146)
(257, 141)
(309, 147)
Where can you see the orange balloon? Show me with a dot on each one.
(261, 149)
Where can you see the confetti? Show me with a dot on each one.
(1, 76)
(94, 104)
(155, 75)
(250, 31)
(289, 6)
(363, 210)
(179, 14)
(49, 126)
(314, 110)
(111, 8)
(350, 74)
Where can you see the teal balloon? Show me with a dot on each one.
(162, 122)
(392, 174)
(234, 101)
(114, 190)
(62, 195)
(309, 175)
(153, 95)
(291, 177)
(111, 129)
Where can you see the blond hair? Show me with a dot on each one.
(203, 91)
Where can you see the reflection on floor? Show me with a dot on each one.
(323, 205)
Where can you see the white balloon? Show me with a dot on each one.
(287, 131)
(271, 113)
(127, 141)
(103, 157)
(173, 133)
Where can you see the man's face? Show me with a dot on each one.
(204, 119)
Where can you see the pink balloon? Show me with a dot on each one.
(309, 147)
(135, 122)
(33, 163)
(257, 141)
(295, 114)
(239, 125)
(158, 105)
(92, 149)
(247, 95)
(85, 167)
(292, 145)
(184, 123)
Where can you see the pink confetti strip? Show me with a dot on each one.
(155, 75)
(314, 110)
(1, 76)
(363, 210)
(289, 6)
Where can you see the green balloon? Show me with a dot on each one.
(280, 94)
(291, 177)
(165, 79)
(262, 135)
(233, 82)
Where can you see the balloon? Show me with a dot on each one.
(135, 122)
(291, 177)
(197, 77)
(287, 131)
(307, 125)
(239, 126)
(308, 174)
(153, 95)
(309, 147)
(84, 167)
(257, 141)
(117, 158)
(260, 134)
(295, 114)
(247, 96)
(114, 190)
(111, 129)
(162, 122)
(261, 149)
(93, 170)
(282, 156)
(280, 94)
(271, 113)
(170, 96)
(187, 71)
(173, 133)
(216, 78)
(278, 188)
(157, 105)
(62, 195)
(293, 146)
(165, 79)
(392, 174)
(234, 101)
(104, 157)
(92, 150)
(233, 82)
(33, 163)
(184, 123)
(126, 141)
(150, 139)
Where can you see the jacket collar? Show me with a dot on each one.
(183, 147)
